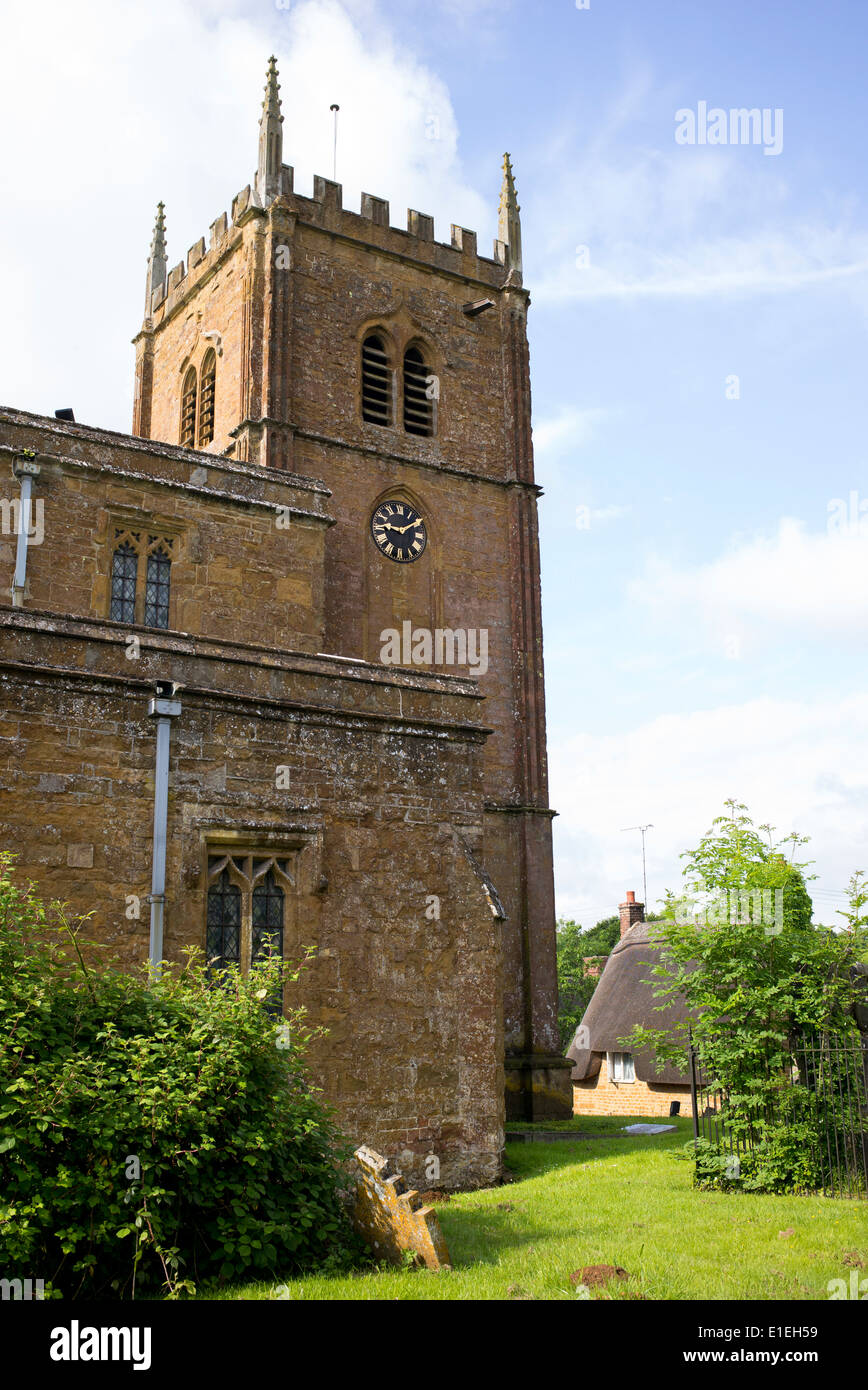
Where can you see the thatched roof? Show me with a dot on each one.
(624, 997)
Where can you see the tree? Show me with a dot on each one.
(601, 939)
(575, 983)
(739, 946)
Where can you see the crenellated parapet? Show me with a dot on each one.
(371, 227)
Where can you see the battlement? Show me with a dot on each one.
(272, 196)
(373, 225)
(325, 209)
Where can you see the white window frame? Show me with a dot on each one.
(621, 1067)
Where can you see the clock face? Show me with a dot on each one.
(399, 532)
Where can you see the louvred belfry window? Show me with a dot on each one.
(377, 382)
(418, 403)
(206, 398)
(188, 410)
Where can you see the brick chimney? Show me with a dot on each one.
(631, 913)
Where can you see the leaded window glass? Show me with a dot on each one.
(157, 589)
(125, 564)
(267, 918)
(247, 904)
(224, 923)
(267, 940)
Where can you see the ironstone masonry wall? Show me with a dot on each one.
(384, 806)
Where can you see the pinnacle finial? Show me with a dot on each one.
(508, 190)
(158, 241)
(270, 138)
(509, 230)
(271, 100)
(157, 262)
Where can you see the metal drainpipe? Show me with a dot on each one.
(25, 469)
(164, 711)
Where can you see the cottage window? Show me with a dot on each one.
(621, 1066)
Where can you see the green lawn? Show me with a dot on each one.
(618, 1201)
(588, 1124)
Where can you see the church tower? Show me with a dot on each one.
(394, 369)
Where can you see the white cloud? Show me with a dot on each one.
(600, 515)
(728, 266)
(816, 582)
(474, 14)
(109, 106)
(672, 222)
(569, 428)
(797, 765)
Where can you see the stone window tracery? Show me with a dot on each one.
(246, 909)
(140, 577)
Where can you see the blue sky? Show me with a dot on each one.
(705, 633)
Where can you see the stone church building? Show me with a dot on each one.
(294, 618)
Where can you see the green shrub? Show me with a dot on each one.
(154, 1132)
(756, 989)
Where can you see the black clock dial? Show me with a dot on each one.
(399, 532)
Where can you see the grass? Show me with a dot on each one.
(617, 1201)
(582, 1124)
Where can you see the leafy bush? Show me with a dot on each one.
(783, 1155)
(154, 1132)
(756, 989)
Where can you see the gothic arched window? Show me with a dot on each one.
(223, 943)
(419, 394)
(246, 907)
(267, 930)
(206, 398)
(377, 382)
(188, 410)
(157, 587)
(267, 899)
(125, 565)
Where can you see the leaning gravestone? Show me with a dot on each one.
(393, 1219)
